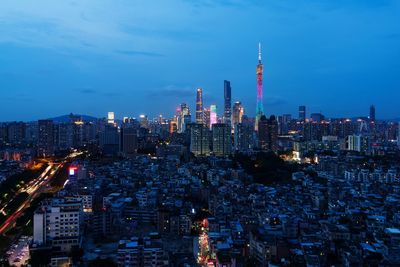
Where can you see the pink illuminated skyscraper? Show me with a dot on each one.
(259, 74)
(213, 115)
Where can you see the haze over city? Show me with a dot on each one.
(134, 57)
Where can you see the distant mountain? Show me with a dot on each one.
(67, 118)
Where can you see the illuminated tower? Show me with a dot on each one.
(199, 106)
(213, 115)
(110, 117)
(259, 72)
(238, 112)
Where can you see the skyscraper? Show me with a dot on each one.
(238, 112)
(259, 75)
(221, 139)
(199, 106)
(144, 121)
(129, 142)
(268, 133)
(302, 113)
(227, 102)
(206, 117)
(110, 117)
(109, 139)
(372, 113)
(283, 124)
(46, 138)
(243, 137)
(199, 139)
(184, 113)
(213, 115)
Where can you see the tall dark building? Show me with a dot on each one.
(302, 113)
(284, 122)
(227, 102)
(46, 138)
(16, 133)
(268, 133)
(243, 138)
(221, 139)
(109, 139)
(129, 141)
(372, 113)
(199, 139)
(206, 117)
(199, 106)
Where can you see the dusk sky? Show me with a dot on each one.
(89, 57)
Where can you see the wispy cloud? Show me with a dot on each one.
(87, 91)
(139, 53)
(91, 92)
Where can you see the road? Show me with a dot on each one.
(35, 188)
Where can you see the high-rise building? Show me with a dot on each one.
(199, 139)
(213, 115)
(238, 112)
(199, 106)
(398, 135)
(302, 113)
(65, 136)
(372, 113)
(221, 139)
(3, 133)
(207, 117)
(268, 133)
(182, 112)
(259, 75)
(31, 133)
(16, 132)
(284, 122)
(357, 143)
(111, 117)
(173, 125)
(58, 224)
(129, 140)
(227, 102)
(109, 140)
(46, 138)
(243, 137)
(144, 121)
(187, 119)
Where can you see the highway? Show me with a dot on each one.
(34, 188)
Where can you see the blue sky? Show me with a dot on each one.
(132, 57)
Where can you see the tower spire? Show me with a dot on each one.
(259, 74)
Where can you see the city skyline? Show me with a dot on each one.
(130, 63)
(202, 133)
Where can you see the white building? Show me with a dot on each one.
(58, 224)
